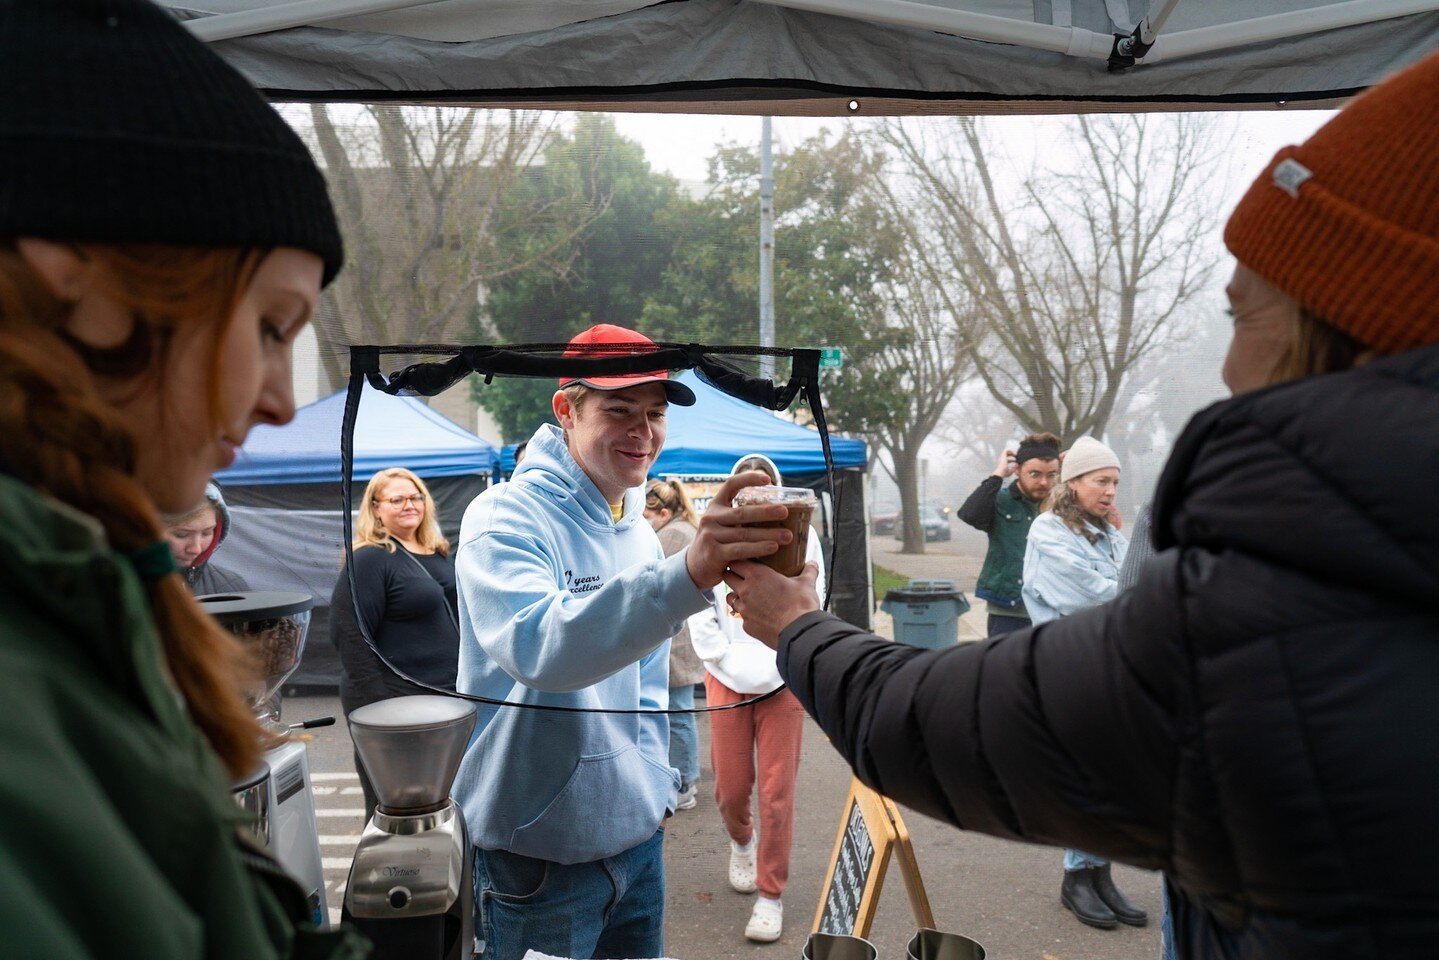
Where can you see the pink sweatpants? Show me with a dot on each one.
(772, 730)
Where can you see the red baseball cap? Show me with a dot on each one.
(608, 340)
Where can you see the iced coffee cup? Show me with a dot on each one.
(789, 558)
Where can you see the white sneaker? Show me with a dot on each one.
(766, 922)
(688, 797)
(742, 868)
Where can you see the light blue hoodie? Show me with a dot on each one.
(561, 605)
(1065, 573)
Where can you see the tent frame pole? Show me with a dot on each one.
(1133, 48)
(1283, 26)
(975, 26)
(302, 13)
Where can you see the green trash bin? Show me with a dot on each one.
(926, 612)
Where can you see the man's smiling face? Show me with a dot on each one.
(615, 435)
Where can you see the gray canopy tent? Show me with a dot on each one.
(819, 57)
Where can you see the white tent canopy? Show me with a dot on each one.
(818, 57)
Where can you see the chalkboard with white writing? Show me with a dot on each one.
(850, 876)
(870, 830)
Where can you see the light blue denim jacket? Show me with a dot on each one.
(1064, 572)
(561, 605)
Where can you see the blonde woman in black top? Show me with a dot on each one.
(405, 587)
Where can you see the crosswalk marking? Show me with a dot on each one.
(330, 839)
(324, 777)
(341, 812)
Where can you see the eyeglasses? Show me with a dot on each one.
(397, 502)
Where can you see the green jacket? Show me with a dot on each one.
(1005, 514)
(118, 836)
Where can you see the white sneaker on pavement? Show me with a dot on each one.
(766, 922)
(742, 867)
(688, 797)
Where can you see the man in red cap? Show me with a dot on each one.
(567, 600)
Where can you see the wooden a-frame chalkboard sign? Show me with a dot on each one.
(870, 830)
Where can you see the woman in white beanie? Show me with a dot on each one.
(1071, 563)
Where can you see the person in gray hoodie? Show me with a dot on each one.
(194, 537)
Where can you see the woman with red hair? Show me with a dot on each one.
(164, 238)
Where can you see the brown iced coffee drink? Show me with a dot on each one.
(789, 558)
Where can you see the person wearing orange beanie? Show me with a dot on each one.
(1254, 717)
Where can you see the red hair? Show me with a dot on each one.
(58, 434)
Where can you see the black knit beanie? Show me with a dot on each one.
(118, 126)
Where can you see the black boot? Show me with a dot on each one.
(1118, 903)
(1080, 898)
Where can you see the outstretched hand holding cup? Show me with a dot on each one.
(728, 533)
(769, 602)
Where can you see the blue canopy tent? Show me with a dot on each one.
(390, 431)
(284, 494)
(706, 439)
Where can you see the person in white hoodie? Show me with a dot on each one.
(567, 600)
(763, 739)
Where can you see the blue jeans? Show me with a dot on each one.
(609, 908)
(1166, 924)
(684, 735)
(998, 625)
(1079, 860)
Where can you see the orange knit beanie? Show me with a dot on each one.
(1348, 222)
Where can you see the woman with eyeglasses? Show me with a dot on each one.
(405, 586)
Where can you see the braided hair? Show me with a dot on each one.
(59, 435)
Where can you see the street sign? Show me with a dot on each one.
(831, 358)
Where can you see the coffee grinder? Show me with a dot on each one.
(272, 625)
(410, 890)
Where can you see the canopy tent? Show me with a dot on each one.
(707, 438)
(286, 533)
(391, 431)
(819, 57)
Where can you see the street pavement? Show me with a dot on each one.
(1003, 894)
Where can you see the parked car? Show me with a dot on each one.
(883, 519)
(934, 517)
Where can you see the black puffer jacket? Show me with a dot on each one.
(1258, 717)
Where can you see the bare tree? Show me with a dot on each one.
(975, 427)
(1078, 275)
(912, 365)
(423, 196)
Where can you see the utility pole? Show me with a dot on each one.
(766, 248)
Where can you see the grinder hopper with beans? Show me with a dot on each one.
(271, 625)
